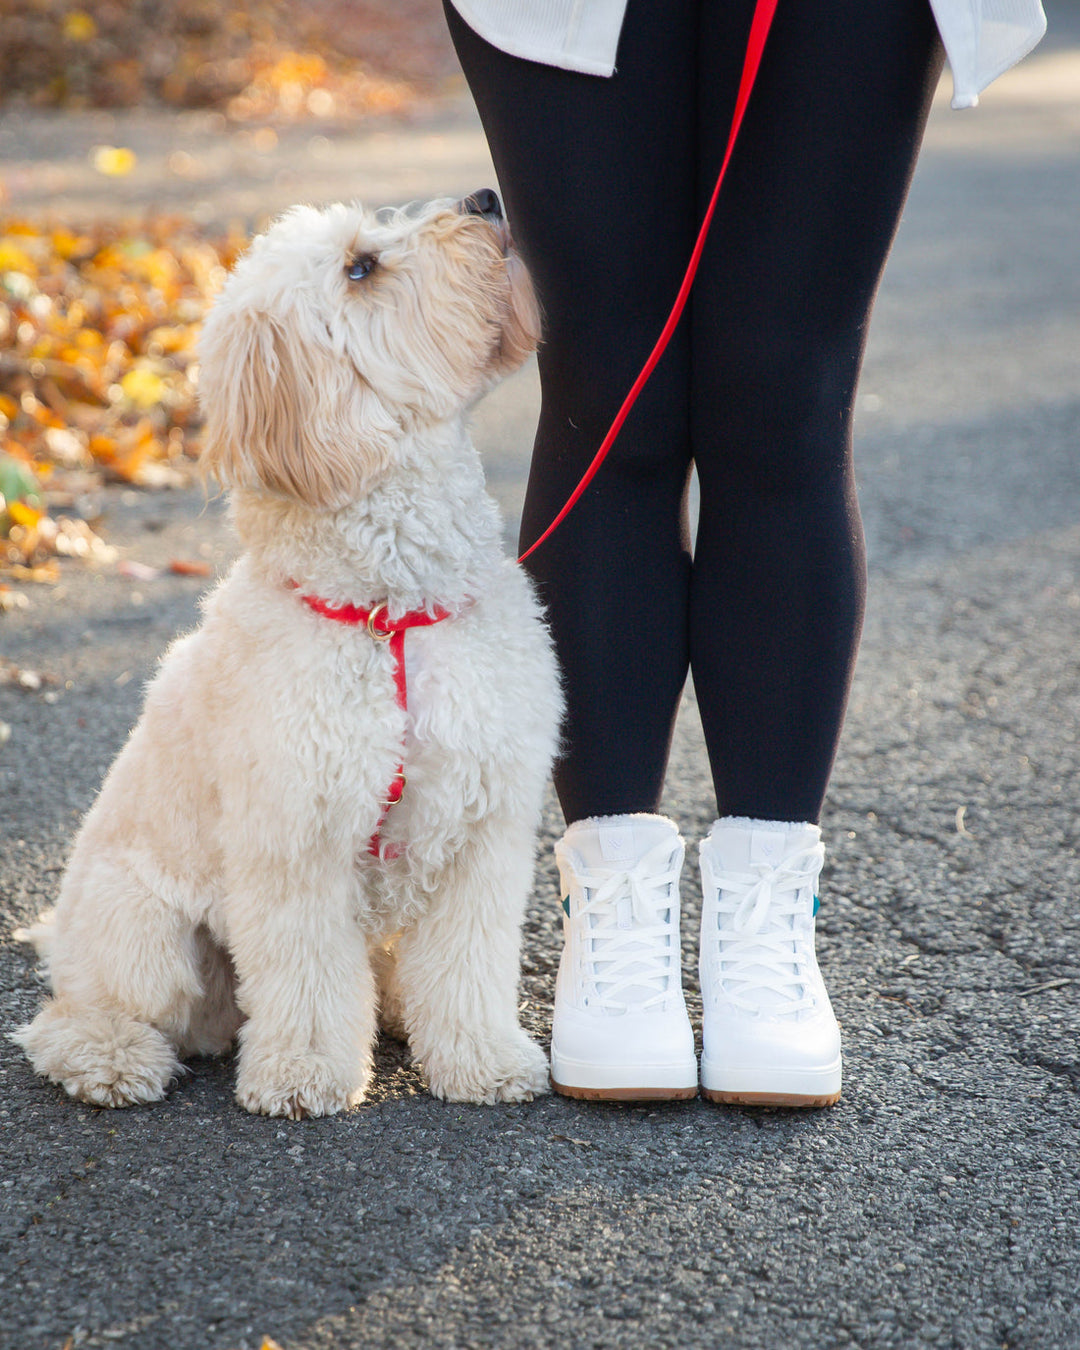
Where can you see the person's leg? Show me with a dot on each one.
(780, 312)
(599, 181)
(780, 308)
(600, 178)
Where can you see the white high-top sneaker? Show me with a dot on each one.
(620, 1028)
(770, 1037)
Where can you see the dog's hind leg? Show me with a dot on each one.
(99, 1055)
(458, 969)
(391, 1005)
(215, 1018)
(124, 982)
(305, 985)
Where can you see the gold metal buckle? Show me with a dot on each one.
(379, 634)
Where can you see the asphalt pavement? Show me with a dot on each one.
(938, 1204)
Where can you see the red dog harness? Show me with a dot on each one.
(383, 630)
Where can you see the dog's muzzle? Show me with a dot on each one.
(484, 202)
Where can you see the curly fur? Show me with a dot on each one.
(221, 883)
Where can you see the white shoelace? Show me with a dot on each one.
(627, 931)
(759, 944)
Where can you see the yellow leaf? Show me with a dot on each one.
(160, 268)
(66, 244)
(175, 338)
(14, 259)
(79, 26)
(114, 161)
(22, 514)
(143, 387)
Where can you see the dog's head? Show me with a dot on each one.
(341, 330)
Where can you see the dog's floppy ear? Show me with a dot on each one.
(284, 413)
(522, 328)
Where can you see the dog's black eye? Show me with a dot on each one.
(360, 266)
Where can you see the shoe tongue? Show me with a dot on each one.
(616, 846)
(744, 848)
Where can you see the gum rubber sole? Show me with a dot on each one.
(770, 1098)
(645, 1094)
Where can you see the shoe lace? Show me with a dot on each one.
(629, 938)
(761, 943)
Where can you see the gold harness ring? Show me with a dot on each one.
(379, 634)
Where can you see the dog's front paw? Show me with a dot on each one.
(512, 1069)
(296, 1087)
(99, 1055)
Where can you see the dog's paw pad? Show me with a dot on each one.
(311, 1090)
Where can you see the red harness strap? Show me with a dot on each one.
(383, 630)
(759, 31)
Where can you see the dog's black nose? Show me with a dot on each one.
(484, 202)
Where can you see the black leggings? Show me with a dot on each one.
(605, 182)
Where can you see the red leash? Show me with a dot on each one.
(383, 630)
(759, 31)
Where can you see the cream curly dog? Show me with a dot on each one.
(240, 871)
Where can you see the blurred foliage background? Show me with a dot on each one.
(248, 60)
